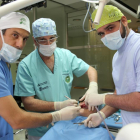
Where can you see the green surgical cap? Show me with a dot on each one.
(110, 14)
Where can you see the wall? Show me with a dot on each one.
(59, 16)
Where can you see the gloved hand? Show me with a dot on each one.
(67, 113)
(94, 119)
(69, 102)
(94, 100)
(93, 88)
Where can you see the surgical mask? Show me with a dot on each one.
(47, 50)
(9, 53)
(114, 40)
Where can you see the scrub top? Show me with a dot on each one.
(34, 78)
(126, 73)
(6, 89)
(67, 130)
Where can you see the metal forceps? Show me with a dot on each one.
(80, 123)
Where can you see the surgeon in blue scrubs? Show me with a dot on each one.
(14, 32)
(47, 74)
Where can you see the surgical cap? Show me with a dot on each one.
(15, 20)
(110, 14)
(43, 27)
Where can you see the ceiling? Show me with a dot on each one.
(76, 9)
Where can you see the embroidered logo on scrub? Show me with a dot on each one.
(42, 86)
(67, 79)
(23, 21)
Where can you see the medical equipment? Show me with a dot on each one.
(28, 8)
(102, 3)
(67, 97)
(80, 123)
(16, 5)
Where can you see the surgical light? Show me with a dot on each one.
(14, 5)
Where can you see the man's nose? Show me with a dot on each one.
(20, 44)
(48, 42)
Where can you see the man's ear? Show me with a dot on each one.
(124, 21)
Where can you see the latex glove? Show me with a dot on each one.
(93, 88)
(94, 100)
(67, 113)
(94, 120)
(69, 102)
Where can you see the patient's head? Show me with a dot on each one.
(84, 110)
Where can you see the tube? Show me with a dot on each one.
(16, 5)
(102, 3)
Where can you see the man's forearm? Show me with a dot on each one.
(128, 102)
(37, 105)
(32, 120)
(108, 110)
(92, 74)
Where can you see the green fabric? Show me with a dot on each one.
(110, 14)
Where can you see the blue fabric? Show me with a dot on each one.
(126, 72)
(66, 130)
(34, 78)
(6, 89)
(43, 27)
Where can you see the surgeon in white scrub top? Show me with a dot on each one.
(45, 76)
(116, 35)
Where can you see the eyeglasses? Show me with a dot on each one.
(45, 41)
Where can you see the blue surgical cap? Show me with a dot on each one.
(43, 27)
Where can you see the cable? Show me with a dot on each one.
(104, 122)
(85, 20)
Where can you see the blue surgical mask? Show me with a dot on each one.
(114, 40)
(9, 53)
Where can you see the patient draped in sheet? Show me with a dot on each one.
(67, 130)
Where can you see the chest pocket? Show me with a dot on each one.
(6, 137)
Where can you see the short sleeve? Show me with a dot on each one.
(24, 82)
(137, 69)
(79, 67)
(4, 90)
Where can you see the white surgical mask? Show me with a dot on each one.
(114, 40)
(9, 53)
(47, 50)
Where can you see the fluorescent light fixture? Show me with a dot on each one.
(91, 1)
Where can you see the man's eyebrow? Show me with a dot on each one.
(108, 26)
(21, 35)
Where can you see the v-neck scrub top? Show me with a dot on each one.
(34, 78)
(6, 89)
(126, 73)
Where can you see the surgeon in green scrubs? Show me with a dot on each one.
(45, 76)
